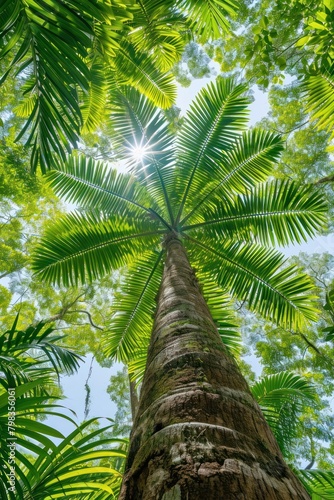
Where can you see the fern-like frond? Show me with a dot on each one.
(255, 274)
(209, 18)
(73, 468)
(138, 124)
(50, 40)
(319, 483)
(158, 29)
(138, 70)
(13, 343)
(87, 246)
(249, 162)
(94, 101)
(130, 328)
(282, 397)
(319, 89)
(95, 185)
(137, 365)
(275, 213)
(215, 120)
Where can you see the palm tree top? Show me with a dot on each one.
(206, 184)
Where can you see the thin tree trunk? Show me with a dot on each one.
(134, 401)
(198, 432)
(323, 180)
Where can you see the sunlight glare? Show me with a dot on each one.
(138, 153)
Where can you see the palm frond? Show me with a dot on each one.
(215, 120)
(50, 40)
(273, 213)
(276, 389)
(130, 328)
(319, 483)
(16, 342)
(137, 365)
(72, 467)
(282, 397)
(28, 434)
(77, 478)
(87, 246)
(209, 18)
(108, 34)
(138, 70)
(43, 469)
(158, 30)
(255, 274)
(139, 125)
(94, 184)
(249, 162)
(53, 43)
(319, 89)
(26, 107)
(95, 99)
(33, 354)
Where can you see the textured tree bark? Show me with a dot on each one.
(134, 401)
(198, 431)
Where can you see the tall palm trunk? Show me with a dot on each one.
(198, 432)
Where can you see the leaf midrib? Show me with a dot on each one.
(244, 217)
(248, 271)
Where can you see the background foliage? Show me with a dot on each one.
(56, 95)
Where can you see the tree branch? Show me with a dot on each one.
(310, 465)
(323, 180)
(312, 346)
(89, 317)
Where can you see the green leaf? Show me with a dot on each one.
(319, 483)
(255, 274)
(130, 328)
(215, 120)
(87, 246)
(329, 331)
(282, 397)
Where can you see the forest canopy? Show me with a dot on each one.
(104, 179)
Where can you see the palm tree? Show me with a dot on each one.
(32, 464)
(66, 55)
(282, 397)
(198, 197)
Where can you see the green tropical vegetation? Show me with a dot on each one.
(67, 54)
(124, 219)
(30, 360)
(162, 255)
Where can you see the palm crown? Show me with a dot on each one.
(206, 186)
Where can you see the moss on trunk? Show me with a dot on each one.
(198, 431)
